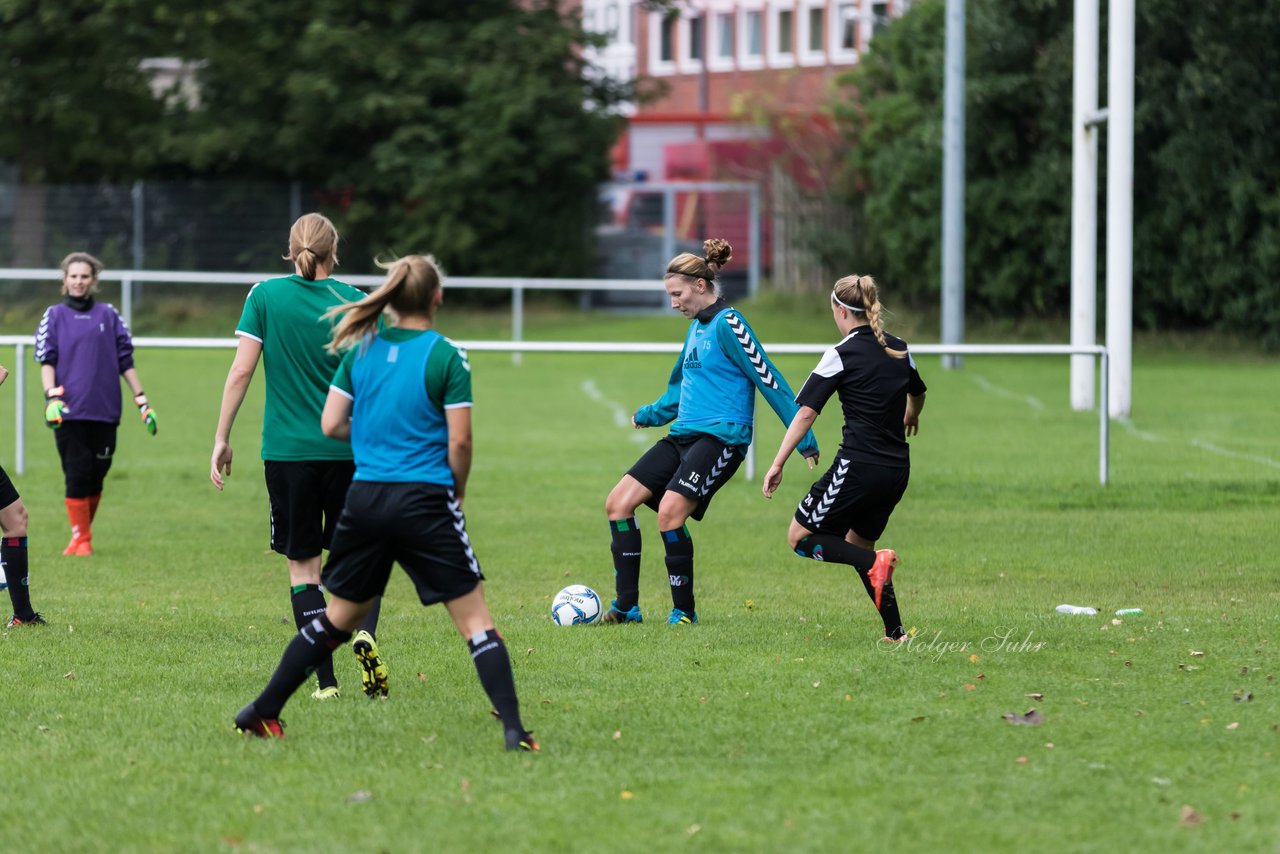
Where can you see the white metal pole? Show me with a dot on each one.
(1104, 422)
(1084, 202)
(1120, 205)
(19, 408)
(953, 184)
(517, 321)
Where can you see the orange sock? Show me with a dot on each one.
(78, 514)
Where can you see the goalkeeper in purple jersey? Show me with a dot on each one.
(83, 347)
(711, 398)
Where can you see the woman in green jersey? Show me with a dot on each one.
(307, 473)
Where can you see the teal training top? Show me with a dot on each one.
(400, 382)
(711, 390)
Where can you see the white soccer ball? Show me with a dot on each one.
(576, 605)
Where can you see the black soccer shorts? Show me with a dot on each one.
(417, 525)
(694, 466)
(853, 496)
(306, 499)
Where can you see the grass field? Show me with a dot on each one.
(777, 723)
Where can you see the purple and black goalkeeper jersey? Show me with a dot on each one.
(89, 349)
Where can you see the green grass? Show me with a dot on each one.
(777, 723)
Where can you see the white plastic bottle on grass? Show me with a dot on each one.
(1076, 609)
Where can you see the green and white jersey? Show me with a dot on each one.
(447, 375)
(285, 315)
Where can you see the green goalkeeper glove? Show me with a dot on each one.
(54, 408)
(148, 414)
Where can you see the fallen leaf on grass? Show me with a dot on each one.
(1048, 745)
(973, 659)
(692, 829)
(359, 797)
(70, 674)
(1195, 653)
(1138, 713)
(918, 718)
(1242, 696)
(617, 734)
(1161, 781)
(1233, 725)
(980, 677)
(1188, 817)
(1031, 718)
(625, 795)
(1022, 760)
(969, 686)
(233, 841)
(1037, 697)
(816, 684)
(257, 809)
(422, 677)
(1233, 815)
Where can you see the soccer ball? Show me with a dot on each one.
(576, 605)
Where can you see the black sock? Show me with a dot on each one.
(370, 622)
(626, 561)
(13, 554)
(680, 567)
(493, 666)
(889, 613)
(311, 648)
(833, 549)
(308, 603)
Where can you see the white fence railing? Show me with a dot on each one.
(22, 342)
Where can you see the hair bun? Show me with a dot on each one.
(718, 251)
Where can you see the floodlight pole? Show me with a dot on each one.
(1121, 46)
(953, 185)
(1084, 202)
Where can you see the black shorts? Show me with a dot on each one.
(306, 500)
(856, 497)
(8, 492)
(86, 449)
(417, 525)
(696, 467)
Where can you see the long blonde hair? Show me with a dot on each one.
(707, 267)
(410, 288)
(860, 294)
(313, 243)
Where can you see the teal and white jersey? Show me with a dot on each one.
(712, 387)
(400, 382)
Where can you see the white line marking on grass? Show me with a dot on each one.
(621, 416)
(1127, 424)
(992, 388)
(1214, 449)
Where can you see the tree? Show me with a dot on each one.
(73, 104)
(1206, 160)
(457, 128)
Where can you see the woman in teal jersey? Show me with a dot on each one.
(307, 473)
(402, 396)
(711, 397)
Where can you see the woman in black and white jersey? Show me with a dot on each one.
(881, 394)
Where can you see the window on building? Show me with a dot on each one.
(724, 35)
(755, 33)
(785, 35)
(847, 25)
(879, 17)
(697, 36)
(667, 39)
(817, 17)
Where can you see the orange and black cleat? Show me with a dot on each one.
(881, 572)
(517, 740)
(252, 723)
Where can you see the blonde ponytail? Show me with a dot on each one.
(860, 294)
(313, 243)
(410, 288)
